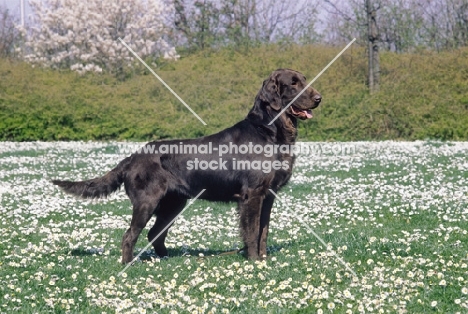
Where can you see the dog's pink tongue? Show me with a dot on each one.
(305, 114)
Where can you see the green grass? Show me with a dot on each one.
(394, 212)
(423, 95)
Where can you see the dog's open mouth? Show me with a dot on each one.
(301, 113)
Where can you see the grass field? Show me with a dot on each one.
(395, 212)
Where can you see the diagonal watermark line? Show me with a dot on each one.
(156, 237)
(164, 83)
(317, 236)
(311, 82)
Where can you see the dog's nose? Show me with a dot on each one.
(318, 98)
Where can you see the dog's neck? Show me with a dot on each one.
(286, 129)
(282, 131)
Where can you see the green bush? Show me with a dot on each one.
(421, 96)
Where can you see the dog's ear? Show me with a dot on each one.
(270, 92)
(261, 115)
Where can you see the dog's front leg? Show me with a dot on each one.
(250, 206)
(264, 224)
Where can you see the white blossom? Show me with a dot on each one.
(83, 36)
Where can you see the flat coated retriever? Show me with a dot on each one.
(239, 164)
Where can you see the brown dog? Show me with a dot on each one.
(240, 164)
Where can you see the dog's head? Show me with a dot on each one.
(282, 87)
(277, 92)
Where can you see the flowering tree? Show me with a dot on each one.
(83, 35)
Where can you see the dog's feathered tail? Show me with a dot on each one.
(97, 187)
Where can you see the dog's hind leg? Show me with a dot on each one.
(143, 210)
(169, 207)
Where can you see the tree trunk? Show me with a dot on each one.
(373, 47)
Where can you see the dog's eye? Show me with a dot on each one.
(294, 81)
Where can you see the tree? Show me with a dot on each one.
(242, 22)
(83, 36)
(373, 36)
(268, 21)
(198, 23)
(285, 20)
(399, 25)
(9, 34)
(445, 23)
(238, 18)
(404, 25)
(360, 20)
